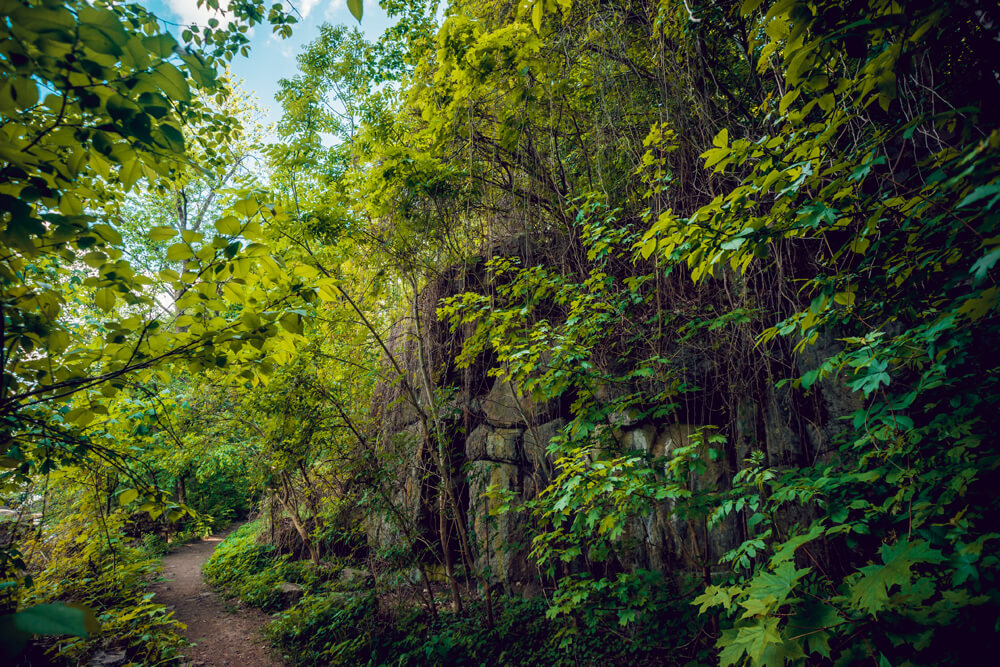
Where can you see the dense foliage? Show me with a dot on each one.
(680, 214)
(332, 623)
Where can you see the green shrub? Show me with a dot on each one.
(329, 626)
(524, 634)
(326, 628)
(334, 628)
(106, 574)
(244, 569)
(253, 573)
(154, 545)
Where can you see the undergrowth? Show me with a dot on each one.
(253, 573)
(329, 625)
(88, 565)
(339, 629)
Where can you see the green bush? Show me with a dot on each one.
(330, 626)
(333, 628)
(253, 573)
(88, 567)
(154, 545)
(244, 569)
(326, 628)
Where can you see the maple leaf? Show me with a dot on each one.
(870, 592)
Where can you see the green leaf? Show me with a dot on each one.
(172, 82)
(715, 595)
(228, 225)
(964, 564)
(984, 264)
(647, 248)
(870, 592)
(178, 252)
(130, 172)
(13, 640)
(777, 586)
(779, 654)
(161, 45)
(810, 619)
(57, 619)
(981, 192)
(127, 496)
(101, 30)
(108, 233)
(136, 54)
(234, 292)
(291, 323)
(105, 299)
(356, 8)
(731, 651)
(715, 155)
(173, 137)
(58, 341)
(845, 298)
(786, 550)
(202, 74)
(753, 639)
(163, 233)
(25, 92)
(870, 382)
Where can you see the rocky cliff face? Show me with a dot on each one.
(497, 438)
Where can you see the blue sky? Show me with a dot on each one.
(272, 58)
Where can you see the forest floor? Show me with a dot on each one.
(223, 633)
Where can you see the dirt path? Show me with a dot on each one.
(222, 633)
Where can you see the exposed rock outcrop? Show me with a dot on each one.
(497, 438)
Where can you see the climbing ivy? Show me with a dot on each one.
(858, 164)
(666, 213)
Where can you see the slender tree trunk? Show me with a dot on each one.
(290, 506)
(181, 489)
(443, 462)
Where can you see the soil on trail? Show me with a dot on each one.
(223, 633)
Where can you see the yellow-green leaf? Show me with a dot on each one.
(164, 233)
(172, 82)
(179, 252)
(105, 298)
(233, 292)
(356, 7)
(291, 323)
(228, 225)
(130, 173)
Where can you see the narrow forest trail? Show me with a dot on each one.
(222, 634)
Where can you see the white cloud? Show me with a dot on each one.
(306, 6)
(332, 8)
(189, 12)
